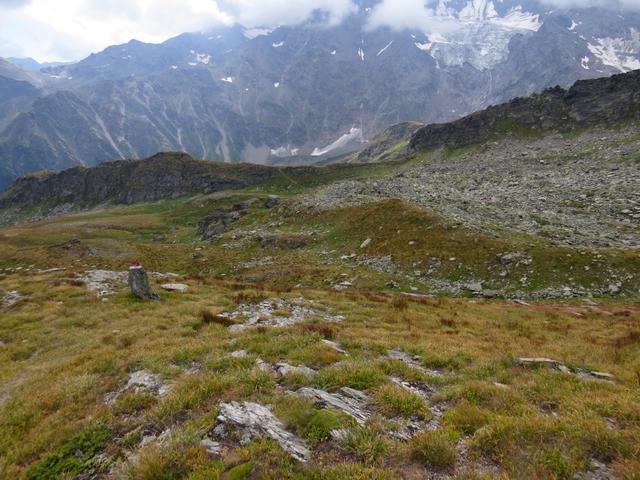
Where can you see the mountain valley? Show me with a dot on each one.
(327, 251)
(306, 93)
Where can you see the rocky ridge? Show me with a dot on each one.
(125, 182)
(587, 103)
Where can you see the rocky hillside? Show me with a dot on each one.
(165, 175)
(302, 93)
(605, 101)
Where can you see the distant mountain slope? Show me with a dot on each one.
(307, 93)
(587, 103)
(607, 103)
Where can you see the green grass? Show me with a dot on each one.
(62, 349)
(434, 449)
(396, 401)
(76, 455)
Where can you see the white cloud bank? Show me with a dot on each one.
(70, 29)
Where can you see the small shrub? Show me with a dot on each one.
(255, 381)
(434, 449)
(555, 463)
(249, 296)
(316, 425)
(240, 472)
(466, 418)
(365, 444)
(165, 462)
(400, 303)
(74, 456)
(360, 376)
(207, 317)
(324, 330)
(396, 401)
(132, 403)
(350, 471)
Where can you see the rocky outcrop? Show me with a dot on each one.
(124, 182)
(258, 421)
(214, 225)
(587, 103)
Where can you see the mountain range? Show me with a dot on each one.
(299, 94)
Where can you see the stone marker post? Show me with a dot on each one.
(139, 283)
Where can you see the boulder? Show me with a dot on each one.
(139, 283)
(175, 287)
(216, 224)
(271, 202)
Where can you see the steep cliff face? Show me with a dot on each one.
(587, 103)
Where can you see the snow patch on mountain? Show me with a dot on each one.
(203, 58)
(623, 54)
(277, 45)
(385, 48)
(477, 35)
(361, 54)
(354, 135)
(227, 79)
(252, 33)
(283, 152)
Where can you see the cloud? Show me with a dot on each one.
(408, 15)
(252, 13)
(71, 29)
(13, 3)
(608, 4)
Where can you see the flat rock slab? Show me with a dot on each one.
(104, 282)
(175, 287)
(107, 282)
(141, 381)
(258, 420)
(335, 346)
(413, 361)
(270, 313)
(350, 401)
(12, 298)
(284, 369)
(556, 365)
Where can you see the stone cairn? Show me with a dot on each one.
(139, 283)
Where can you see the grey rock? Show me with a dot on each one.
(284, 369)
(12, 298)
(257, 420)
(175, 287)
(139, 284)
(216, 224)
(212, 448)
(350, 401)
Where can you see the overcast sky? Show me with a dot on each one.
(55, 30)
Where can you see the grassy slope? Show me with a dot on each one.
(62, 350)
